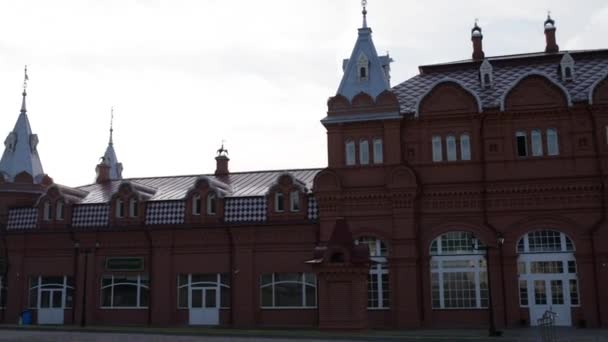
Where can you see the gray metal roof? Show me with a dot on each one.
(242, 184)
(589, 68)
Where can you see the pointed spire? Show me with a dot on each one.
(24, 94)
(111, 125)
(364, 12)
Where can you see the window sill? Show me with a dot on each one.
(456, 309)
(378, 309)
(224, 308)
(124, 308)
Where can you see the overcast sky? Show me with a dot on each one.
(183, 75)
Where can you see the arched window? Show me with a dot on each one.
(465, 147)
(547, 273)
(279, 202)
(133, 204)
(450, 141)
(458, 272)
(120, 208)
(59, 210)
(294, 201)
(350, 152)
(552, 146)
(487, 81)
(190, 286)
(437, 150)
(378, 294)
(378, 158)
(288, 290)
(522, 144)
(196, 204)
(537, 143)
(129, 291)
(362, 73)
(46, 211)
(364, 152)
(211, 203)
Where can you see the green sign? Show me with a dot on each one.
(125, 264)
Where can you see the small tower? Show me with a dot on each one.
(109, 168)
(221, 162)
(365, 71)
(476, 38)
(20, 148)
(551, 43)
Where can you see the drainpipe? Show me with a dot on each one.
(150, 268)
(232, 275)
(417, 205)
(5, 271)
(76, 245)
(596, 226)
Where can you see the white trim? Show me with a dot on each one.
(112, 284)
(447, 80)
(504, 95)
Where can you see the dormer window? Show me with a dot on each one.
(279, 202)
(59, 210)
(211, 203)
(486, 74)
(120, 208)
(196, 204)
(294, 201)
(363, 67)
(567, 67)
(133, 207)
(46, 208)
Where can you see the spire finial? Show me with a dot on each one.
(549, 23)
(24, 94)
(364, 12)
(222, 151)
(111, 124)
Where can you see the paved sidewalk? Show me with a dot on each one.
(187, 334)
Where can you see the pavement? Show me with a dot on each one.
(187, 334)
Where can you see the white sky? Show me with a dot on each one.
(183, 75)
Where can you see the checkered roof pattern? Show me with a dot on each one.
(22, 218)
(313, 208)
(165, 212)
(245, 209)
(90, 215)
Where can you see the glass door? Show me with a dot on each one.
(204, 308)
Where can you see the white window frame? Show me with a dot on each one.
(301, 281)
(66, 289)
(450, 144)
(536, 138)
(436, 145)
(196, 204)
(46, 211)
(473, 254)
(523, 135)
(350, 153)
(279, 202)
(378, 151)
(378, 253)
(120, 209)
(59, 206)
(211, 203)
(139, 286)
(294, 201)
(133, 210)
(364, 152)
(465, 147)
(552, 142)
(218, 284)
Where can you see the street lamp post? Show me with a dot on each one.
(492, 329)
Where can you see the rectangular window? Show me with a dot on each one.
(47, 211)
(196, 205)
(574, 300)
(571, 266)
(465, 147)
(552, 144)
(450, 142)
(133, 207)
(121, 291)
(557, 292)
(522, 144)
(350, 152)
(437, 152)
(378, 153)
(294, 201)
(279, 202)
(3, 290)
(211, 203)
(546, 267)
(540, 292)
(120, 208)
(364, 152)
(523, 293)
(288, 290)
(537, 143)
(59, 210)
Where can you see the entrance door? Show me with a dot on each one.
(204, 308)
(549, 295)
(50, 307)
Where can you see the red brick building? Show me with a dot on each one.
(472, 191)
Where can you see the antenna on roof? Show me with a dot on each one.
(25, 79)
(111, 124)
(364, 12)
(222, 151)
